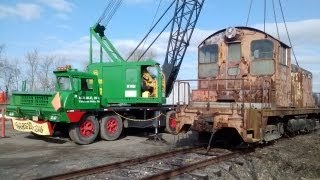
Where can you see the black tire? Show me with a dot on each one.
(85, 131)
(111, 127)
(171, 122)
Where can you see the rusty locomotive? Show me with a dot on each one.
(246, 86)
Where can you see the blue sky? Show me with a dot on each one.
(61, 27)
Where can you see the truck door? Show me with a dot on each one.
(86, 93)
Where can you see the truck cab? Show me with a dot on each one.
(129, 83)
(77, 90)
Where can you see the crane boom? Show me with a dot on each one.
(98, 32)
(184, 20)
(98, 29)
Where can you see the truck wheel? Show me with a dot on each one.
(85, 131)
(111, 127)
(171, 122)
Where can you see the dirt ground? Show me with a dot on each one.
(24, 156)
(289, 158)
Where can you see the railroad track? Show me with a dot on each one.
(159, 166)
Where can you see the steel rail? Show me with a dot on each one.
(116, 165)
(191, 167)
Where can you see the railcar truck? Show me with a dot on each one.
(111, 94)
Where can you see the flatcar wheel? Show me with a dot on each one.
(85, 131)
(171, 122)
(111, 127)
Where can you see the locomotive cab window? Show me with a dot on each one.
(283, 56)
(208, 53)
(208, 58)
(262, 57)
(261, 49)
(234, 55)
(234, 52)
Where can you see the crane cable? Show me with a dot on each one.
(264, 16)
(285, 25)
(152, 30)
(275, 19)
(249, 12)
(154, 17)
(106, 10)
(111, 14)
(284, 21)
(109, 11)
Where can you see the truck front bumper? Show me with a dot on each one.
(43, 128)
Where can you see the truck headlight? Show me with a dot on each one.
(11, 113)
(53, 118)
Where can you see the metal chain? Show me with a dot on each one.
(139, 120)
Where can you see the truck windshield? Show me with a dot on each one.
(64, 83)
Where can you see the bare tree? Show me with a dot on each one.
(2, 57)
(2, 46)
(16, 70)
(8, 75)
(32, 62)
(45, 76)
(2, 62)
(46, 67)
(9, 71)
(60, 61)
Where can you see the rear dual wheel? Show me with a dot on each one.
(111, 127)
(85, 131)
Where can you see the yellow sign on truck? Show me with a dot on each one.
(26, 125)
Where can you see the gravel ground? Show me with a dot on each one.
(289, 158)
(23, 156)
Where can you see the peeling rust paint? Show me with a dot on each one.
(243, 89)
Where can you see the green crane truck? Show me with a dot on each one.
(111, 95)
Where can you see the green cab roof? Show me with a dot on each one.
(73, 72)
(148, 62)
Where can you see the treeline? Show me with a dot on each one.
(33, 70)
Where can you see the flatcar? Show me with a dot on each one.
(248, 86)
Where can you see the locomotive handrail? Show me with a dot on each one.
(219, 85)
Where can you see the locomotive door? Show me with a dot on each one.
(232, 69)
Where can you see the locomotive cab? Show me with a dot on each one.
(246, 82)
(242, 64)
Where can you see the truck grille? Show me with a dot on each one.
(35, 100)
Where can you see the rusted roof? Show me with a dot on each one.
(246, 28)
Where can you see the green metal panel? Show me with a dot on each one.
(112, 87)
(30, 105)
(120, 83)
